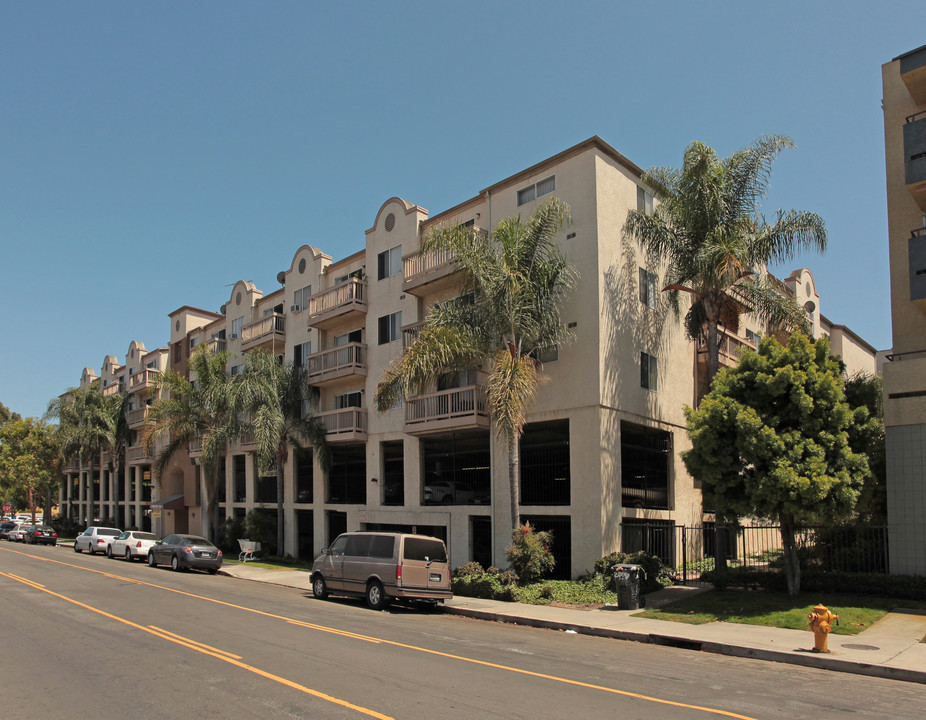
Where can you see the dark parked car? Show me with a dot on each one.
(5, 528)
(186, 551)
(40, 534)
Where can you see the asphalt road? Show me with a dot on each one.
(90, 637)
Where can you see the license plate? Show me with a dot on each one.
(434, 577)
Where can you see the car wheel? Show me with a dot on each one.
(128, 555)
(213, 571)
(151, 561)
(76, 547)
(319, 588)
(90, 549)
(376, 596)
(109, 551)
(175, 563)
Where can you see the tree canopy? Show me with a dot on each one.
(771, 440)
(28, 463)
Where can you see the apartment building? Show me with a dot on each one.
(600, 454)
(904, 104)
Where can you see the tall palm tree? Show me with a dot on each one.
(708, 229)
(81, 431)
(195, 410)
(115, 432)
(514, 282)
(276, 399)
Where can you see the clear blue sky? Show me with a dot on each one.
(153, 153)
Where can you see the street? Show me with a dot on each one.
(92, 637)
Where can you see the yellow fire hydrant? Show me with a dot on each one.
(821, 620)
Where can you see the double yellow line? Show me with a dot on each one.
(235, 660)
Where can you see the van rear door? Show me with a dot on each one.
(424, 564)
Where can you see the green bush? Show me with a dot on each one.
(909, 587)
(529, 553)
(481, 585)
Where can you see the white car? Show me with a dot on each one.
(16, 534)
(132, 544)
(96, 539)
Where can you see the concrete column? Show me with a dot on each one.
(81, 497)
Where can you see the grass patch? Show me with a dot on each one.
(565, 592)
(778, 610)
(270, 564)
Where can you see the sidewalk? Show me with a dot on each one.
(891, 648)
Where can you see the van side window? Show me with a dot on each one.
(421, 549)
(382, 546)
(358, 545)
(337, 547)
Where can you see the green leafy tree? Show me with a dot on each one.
(276, 399)
(529, 554)
(716, 245)
(771, 440)
(6, 414)
(29, 463)
(866, 436)
(514, 283)
(81, 414)
(198, 410)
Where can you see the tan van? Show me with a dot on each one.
(383, 566)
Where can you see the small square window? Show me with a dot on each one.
(538, 189)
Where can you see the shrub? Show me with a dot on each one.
(529, 553)
(908, 587)
(482, 585)
(470, 568)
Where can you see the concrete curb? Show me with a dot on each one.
(821, 662)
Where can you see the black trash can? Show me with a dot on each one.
(627, 582)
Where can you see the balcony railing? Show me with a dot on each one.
(350, 359)
(136, 453)
(142, 379)
(424, 268)
(410, 333)
(196, 447)
(730, 346)
(216, 345)
(113, 389)
(344, 424)
(448, 408)
(138, 416)
(267, 329)
(338, 300)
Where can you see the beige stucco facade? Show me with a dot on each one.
(904, 104)
(603, 440)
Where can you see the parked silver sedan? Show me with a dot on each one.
(186, 551)
(95, 539)
(131, 544)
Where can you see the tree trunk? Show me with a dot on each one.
(713, 352)
(792, 559)
(279, 509)
(514, 482)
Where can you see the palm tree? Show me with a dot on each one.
(708, 230)
(198, 410)
(115, 433)
(81, 430)
(514, 284)
(276, 398)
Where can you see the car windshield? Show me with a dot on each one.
(107, 531)
(194, 540)
(144, 536)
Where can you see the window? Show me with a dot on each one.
(648, 373)
(301, 298)
(644, 201)
(393, 456)
(532, 192)
(178, 352)
(344, 278)
(348, 400)
(453, 380)
(547, 355)
(457, 469)
(237, 324)
(389, 263)
(194, 341)
(752, 336)
(301, 352)
(645, 454)
(347, 477)
(545, 463)
(647, 288)
(354, 336)
(305, 475)
(236, 369)
(390, 327)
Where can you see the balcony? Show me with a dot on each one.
(410, 333)
(914, 150)
(143, 380)
(268, 332)
(455, 409)
(216, 345)
(916, 263)
(345, 301)
(345, 425)
(342, 361)
(196, 447)
(137, 453)
(913, 74)
(427, 272)
(113, 389)
(731, 345)
(138, 416)
(247, 442)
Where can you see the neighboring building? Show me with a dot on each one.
(600, 454)
(904, 87)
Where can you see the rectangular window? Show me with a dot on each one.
(194, 341)
(236, 369)
(305, 475)
(457, 472)
(178, 352)
(358, 274)
(648, 373)
(240, 477)
(390, 327)
(347, 477)
(348, 400)
(545, 463)
(647, 288)
(389, 263)
(645, 456)
(354, 336)
(538, 189)
(752, 336)
(301, 352)
(237, 324)
(393, 476)
(644, 201)
(301, 298)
